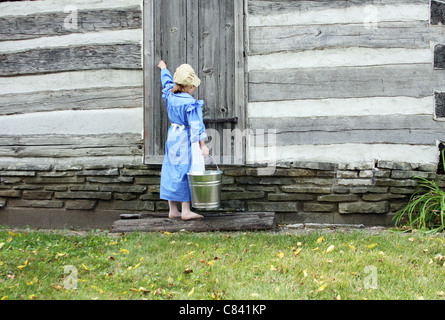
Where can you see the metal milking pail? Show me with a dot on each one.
(205, 187)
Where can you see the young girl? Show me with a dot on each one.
(187, 129)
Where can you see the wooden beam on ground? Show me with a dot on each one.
(239, 221)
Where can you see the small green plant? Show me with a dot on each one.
(426, 209)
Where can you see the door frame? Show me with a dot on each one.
(150, 67)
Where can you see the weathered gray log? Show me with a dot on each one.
(399, 129)
(265, 7)
(410, 35)
(93, 57)
(414, 80)
(52, 24)
(242, 221)
(69, 146)
(79, 99)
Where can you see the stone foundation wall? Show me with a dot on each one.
(52, 196)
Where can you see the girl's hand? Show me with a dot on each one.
(205, 150)
(162, 65)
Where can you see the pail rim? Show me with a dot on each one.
(204, 173)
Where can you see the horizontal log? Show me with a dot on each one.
(412, 35)
(80, 99)
(342, 107)
(107, 37)
(339, 57)
(338, 123)
(54, 24)
(417, 81)
(74, 122)
(71, 146)
(89, 79)
(265, 7)
(369, 15)
(398, 129)
(90, 141)
(242, 221)
(343, 153)
(93, 57)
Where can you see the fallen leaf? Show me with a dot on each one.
(124, 251)
(143, 290)
(371, 246)
(191, 292)
(188, 270)
(322, 288)
(297, 252)
(210, 263)
(320, 240)
(2, 244)
(98, 289)
(158, 292)
(85, 267)
(330, 249)
(280, 255)
(23, 265)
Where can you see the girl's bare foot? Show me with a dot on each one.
(190, 216)
(187, 214)
(173, 210)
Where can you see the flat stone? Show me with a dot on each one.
(272, 206)
(83, 195)
(318, 207)
(107, 172)
(10, 193)
(245, 195)
(80, 204)
(35, 203)
(363, 207)
(305, 189)
(37, 195)
(290, 197)
(338, 198)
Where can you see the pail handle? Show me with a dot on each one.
(214, 162)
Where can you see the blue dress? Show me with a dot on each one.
(185, 115)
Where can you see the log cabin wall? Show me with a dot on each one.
(354, 91)
(71, 85)
(346, 81)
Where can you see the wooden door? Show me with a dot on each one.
(207, 34)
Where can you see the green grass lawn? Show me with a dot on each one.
(318, 265)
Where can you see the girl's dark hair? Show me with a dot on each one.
(179, 89)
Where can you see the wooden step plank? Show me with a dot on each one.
(240, 221)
